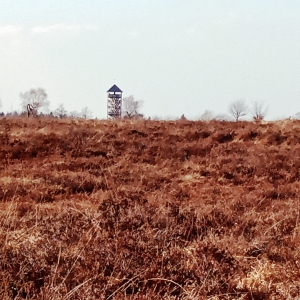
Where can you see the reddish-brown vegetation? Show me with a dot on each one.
(149, 210)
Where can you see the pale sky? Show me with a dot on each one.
(178, 56)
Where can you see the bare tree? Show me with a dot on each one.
(33, 100)
(208, 115)
(222, 117)
(131, 107)
(86, 113)
(238, 109)
(61, 112)
(259, 111)
(74, 114)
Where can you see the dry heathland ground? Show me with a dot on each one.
(149, 210)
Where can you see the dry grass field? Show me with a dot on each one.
(149, 210)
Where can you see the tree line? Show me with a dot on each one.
(35, 102)
(238, 109)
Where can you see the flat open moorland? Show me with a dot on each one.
(149, 209)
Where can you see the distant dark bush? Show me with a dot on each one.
(225, 137)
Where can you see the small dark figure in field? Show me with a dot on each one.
(31, 110)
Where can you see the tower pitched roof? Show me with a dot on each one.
(114, 89)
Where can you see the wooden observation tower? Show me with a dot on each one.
(114, 103)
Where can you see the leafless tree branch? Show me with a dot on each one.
(238, 109)
(131, 107)
(259, 111)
